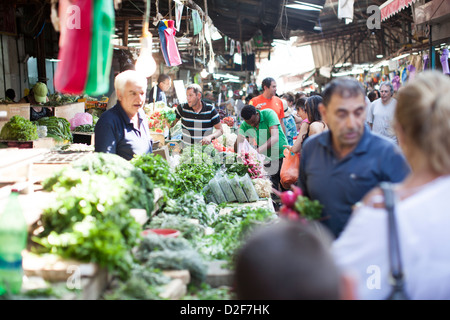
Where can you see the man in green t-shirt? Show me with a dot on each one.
(264, 126)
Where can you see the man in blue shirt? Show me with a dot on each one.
(338, 167)
(123, 129)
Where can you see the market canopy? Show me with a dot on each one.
(391, 7)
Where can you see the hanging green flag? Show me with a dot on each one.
(197, 22)
(101, 48)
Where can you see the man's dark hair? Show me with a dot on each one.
(289, 97)
(162, 77)
(10, 93)
(372, 96)
(267, 82)
(286, 261)
(345, 87)
(247, 112)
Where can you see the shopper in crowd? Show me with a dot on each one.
(209, 98)
(112, 100)
(300, 117)
(289, 97)
(198, 119)
(373, 95)
(289, 261)
(265, 128)
(10, 94)
(381, 112)
(163, 85)
(299, 95)
(269, 100)
(421, 202)
(289, 123)
(314, 126)
(36, 97)
(340, 165)
(123, 129)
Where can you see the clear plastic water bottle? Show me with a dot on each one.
(13, 240)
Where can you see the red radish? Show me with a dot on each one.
(288, 198)
(297, 191)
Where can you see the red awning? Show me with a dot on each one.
(391, 7)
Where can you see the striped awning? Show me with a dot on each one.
(391, 7)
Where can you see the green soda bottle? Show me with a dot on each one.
(13, 239)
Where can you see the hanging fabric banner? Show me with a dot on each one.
(238, 47)
(172, 48)
(232, 47)
(248, 47)
(226, 43)
(75, 46)
(197, 22)
(102, 48)
(163, 43)
(178, 13)
(444, 61)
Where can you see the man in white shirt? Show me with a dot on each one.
(381, 112)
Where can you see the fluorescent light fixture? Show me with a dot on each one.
(379, 56)
(317, 28)
(227, 76)
(300, 5)
(400, 57)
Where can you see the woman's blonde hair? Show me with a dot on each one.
(423, 114)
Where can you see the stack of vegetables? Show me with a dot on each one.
(90, 218)
(57, 128)
(159, 116)
(20, 129)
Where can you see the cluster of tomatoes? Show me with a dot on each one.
(220, 147)
(229, 121)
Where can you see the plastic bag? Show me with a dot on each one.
(209, 196)
(248, 187)
(226, 188)
(80, 119)
(217, 191)
(237, 189)
(289, 169)
(246, 147)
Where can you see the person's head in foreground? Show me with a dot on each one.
(422, 122)
(289, 261)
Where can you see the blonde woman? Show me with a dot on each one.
(422, 124)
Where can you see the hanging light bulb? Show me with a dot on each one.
(204, 73)
(145, 62)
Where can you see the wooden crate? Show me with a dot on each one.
(84, 137)
(68, 111)
(46, 142)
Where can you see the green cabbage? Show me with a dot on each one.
(19, 128)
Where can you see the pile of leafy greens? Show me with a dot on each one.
(90, 219)
(20, 129)
(57, 128)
